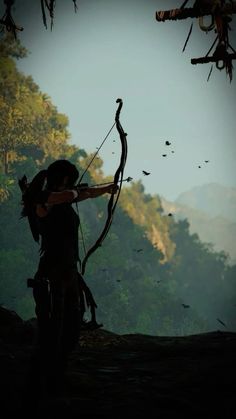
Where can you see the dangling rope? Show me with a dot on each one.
(205, 28)
(209, 75)
(190, 31)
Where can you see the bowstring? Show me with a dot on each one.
(77, 209)
(95, 154)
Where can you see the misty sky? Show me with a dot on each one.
(112, 49)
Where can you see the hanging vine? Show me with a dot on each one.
(47, 7)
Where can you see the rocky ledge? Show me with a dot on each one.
(137, 375)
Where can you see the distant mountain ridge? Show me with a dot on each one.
(211, 212)
(213, 199)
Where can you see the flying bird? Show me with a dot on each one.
(185, 305)
(146, 173)
(138, 250)
(220, 321)
(199, 167)
(172, 151)
(169, 215)
(206, 161)
(164, 155)
(168, 143)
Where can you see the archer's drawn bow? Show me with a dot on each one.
(118, 178)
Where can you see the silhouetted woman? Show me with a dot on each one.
(47, 202)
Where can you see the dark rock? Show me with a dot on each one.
(13, 328)
(112, 376)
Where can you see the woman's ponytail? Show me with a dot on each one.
(31, 191)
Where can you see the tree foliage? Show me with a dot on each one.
(28, 117)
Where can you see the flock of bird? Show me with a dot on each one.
(168, 143)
